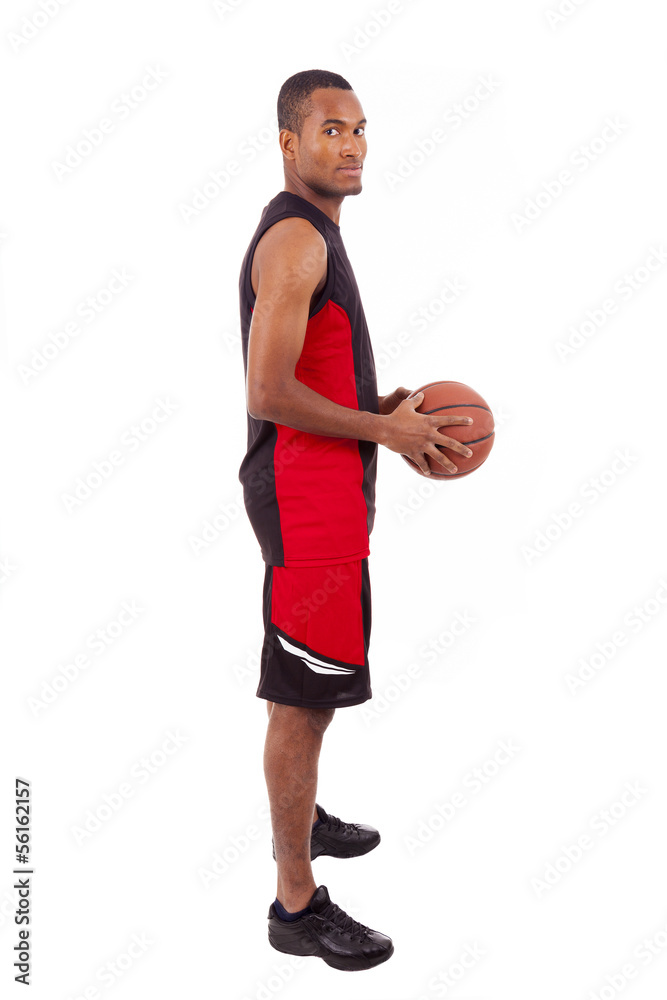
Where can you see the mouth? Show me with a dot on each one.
(354, 170)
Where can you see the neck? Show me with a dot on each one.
(329, 205)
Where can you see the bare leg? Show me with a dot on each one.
(269, 706)
(291, 754)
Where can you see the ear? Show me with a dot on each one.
(288, 140)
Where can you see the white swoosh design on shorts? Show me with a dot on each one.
(318, 666)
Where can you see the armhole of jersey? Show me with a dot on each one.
(326, 292)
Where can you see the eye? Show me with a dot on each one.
(360, 130)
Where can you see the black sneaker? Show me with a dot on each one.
(330, 934)
(339, 840)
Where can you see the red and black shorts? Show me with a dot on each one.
(317, 622)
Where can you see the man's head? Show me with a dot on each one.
(322, 133)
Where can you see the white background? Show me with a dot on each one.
(496, 547)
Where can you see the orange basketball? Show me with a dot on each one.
(451, 398)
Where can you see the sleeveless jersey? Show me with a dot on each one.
(310, 498)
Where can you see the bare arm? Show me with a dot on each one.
(291, 259)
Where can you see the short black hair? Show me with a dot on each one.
(294, 103)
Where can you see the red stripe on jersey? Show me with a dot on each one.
(319, 478)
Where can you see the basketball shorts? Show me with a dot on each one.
(317, 625)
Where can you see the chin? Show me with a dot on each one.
(334, 190)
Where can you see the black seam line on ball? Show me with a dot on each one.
(452, 475)
(456, 406)
(447, 475)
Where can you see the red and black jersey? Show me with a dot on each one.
(310, 498)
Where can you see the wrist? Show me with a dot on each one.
(376, 429)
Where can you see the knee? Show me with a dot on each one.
(318, 719)
(297, 720)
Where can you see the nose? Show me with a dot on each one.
(351, 146)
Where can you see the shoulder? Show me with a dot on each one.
(291, 253)
(289, 241)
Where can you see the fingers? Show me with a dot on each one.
(440, 458)
(453, 445)
(440, 420)
(444, 441)
(414, 402)
(420, 461)
(435, 450)
(436, 441)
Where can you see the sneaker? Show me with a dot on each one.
(330, 934)
(337, 839)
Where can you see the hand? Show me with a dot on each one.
(416, 434)
(389, 403)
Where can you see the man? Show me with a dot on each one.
(314, 423)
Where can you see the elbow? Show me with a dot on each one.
(267, 397)
(255, 406)
(259, 402)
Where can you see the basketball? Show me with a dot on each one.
(452, 398)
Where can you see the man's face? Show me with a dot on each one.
(329, 155)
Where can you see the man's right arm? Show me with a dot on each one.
(291, 259)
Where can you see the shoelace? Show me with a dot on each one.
(340, 918)
(338, 824)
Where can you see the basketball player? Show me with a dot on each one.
(315, 420)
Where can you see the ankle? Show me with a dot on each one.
(295, 901)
